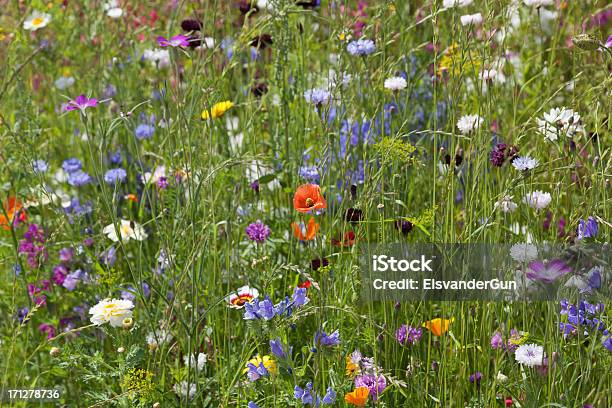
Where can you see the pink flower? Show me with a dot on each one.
(547, 272)
(81, 102)
(176, 41)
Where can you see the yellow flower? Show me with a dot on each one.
(217, 110)
(267, 361)
(351, 367)
(454, 61)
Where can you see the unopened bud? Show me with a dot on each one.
(128, 323)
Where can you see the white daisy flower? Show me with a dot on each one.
(127, 229)
(537, 199)
(469, 123)
(112, 9)
(530, 355)
(471, 19)
(36, 20)
(523, 163)
(112, 311)
(395, 83)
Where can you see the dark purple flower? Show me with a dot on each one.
(47, 328)
(404, 226)
(498, 155)
(258, 231)
(547, 272)
(475, 378)
(176, 41)
(191, 25)
(81, 103)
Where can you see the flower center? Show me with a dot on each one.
(309, 202)
(38, 21)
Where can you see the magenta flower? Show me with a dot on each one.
(547, 272)
(81, 103)
(176, 41)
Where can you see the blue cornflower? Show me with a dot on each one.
(78, 178)
(310, 173)
(40, 166)
(115, 176)
(361, 47)
(72, 165)
(144, 131)
(317, 96)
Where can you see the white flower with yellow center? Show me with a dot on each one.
(112, 311)
(127, 230)
(36, 20)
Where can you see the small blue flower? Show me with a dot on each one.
(361, 47)
(251, 404)
(115, 176)
(40, 166)
(144, 131)
(78, 178)
(327, 340)
(317, 96)
(72, 165)
(588, 229)
(277, 348)
(299, 297)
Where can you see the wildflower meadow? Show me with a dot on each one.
(195, 194)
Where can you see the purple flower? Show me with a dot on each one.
(258, 231)
(47, 328)
(109, 257)
(33, 246)
(256, 372)
(299, 297)
(497, 341)
(408, 334)
(476, 377)
(277, 348)
(78, 178)
(609, 42)
(66, 254)
(115, 176)
(587, 229)
(303, 394)
(361, 47)
(176, 41)
(547, 272)
(498, 155)
(81, 102)
(251, 404)
(607, 343)
(327, 340)
(72, 279)
(376, 384)
(59, 274)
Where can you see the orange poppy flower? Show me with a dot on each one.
(438, 326)
(12, 207)
(311, 230)
(358, 397)
(308, 197)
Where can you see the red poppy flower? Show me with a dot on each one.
(308, 197)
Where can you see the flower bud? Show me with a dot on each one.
(55, 351)
(128, 323)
